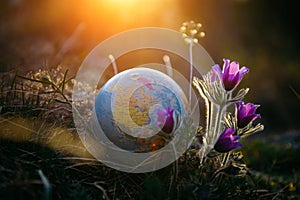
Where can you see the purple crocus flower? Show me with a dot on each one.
(245, 113)
(227, 141)
(165, 119)
(231, 75)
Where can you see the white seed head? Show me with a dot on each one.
(184, 35)
(202, 34)
(193, 32)
(192, 23)
(166, 58)
(111, 57)
(182, 29)
(187, 40)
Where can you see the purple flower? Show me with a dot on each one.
(231, 75)
(165, 119)
(227, 141)
(246, 113)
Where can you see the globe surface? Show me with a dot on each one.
(126, 109)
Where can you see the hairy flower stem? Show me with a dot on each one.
(221, 109)
(215, 116)
(225, 160)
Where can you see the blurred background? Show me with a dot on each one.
(263, 35)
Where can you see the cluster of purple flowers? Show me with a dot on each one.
(228, 139)
(231, 75)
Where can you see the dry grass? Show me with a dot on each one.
(42, 157)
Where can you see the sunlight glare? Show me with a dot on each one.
(129, 8)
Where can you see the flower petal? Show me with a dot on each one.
(246, 113)
(161, 117)
(216, 72)
(227, 142)
(244, 70)
(231, 82)
(227, 132)
(226, 65)
(234, 68)
(251, 108)
(230, 75)
(165, 119)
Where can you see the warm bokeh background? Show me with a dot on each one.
(264, 35)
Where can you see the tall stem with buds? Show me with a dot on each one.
(190, 31)
(191, 73)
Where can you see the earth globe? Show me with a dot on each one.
(127, 109)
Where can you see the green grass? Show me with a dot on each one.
(276, 167)
(275, 159)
